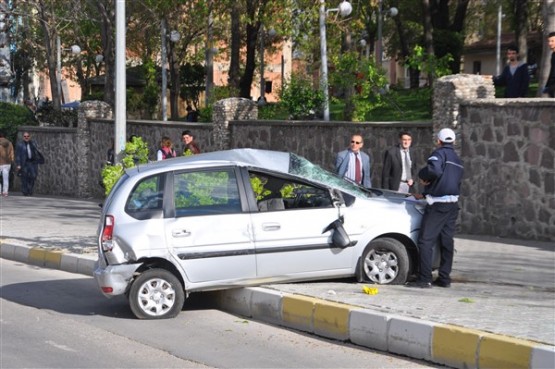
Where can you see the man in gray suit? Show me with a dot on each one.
(354, 164)
(399, 166)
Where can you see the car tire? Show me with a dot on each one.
(385, 261)
(156, 294)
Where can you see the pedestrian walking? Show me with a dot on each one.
(7, 157)
(353, 163)
(442, 180)
(399, 166)
(27, 159)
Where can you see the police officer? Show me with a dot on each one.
(442, 180)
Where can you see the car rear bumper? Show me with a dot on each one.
(114, 279)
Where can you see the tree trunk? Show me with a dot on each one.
(235, 55)
(107, 34)
(521, 30)
(250, 62)
(428, 34)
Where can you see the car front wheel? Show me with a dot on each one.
(385, 261)
(156, 294)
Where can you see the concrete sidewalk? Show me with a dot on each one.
(499, 312)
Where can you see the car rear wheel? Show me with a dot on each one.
(385, 261)
(156, 294)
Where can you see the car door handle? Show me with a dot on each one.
(180, 233)
(271, 226)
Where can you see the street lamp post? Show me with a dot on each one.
(393, 12)
(344, 10)
(75, 50)
(121, 81)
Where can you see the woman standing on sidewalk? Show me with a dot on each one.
(6, 160)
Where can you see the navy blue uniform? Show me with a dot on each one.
(444, 171)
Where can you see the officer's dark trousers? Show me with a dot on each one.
(438, 225)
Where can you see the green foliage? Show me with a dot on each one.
(192, 83)
(205, 114)
(370, 82)
(136, 152)
(403, 105)
(12, 116)
(300, 99)
(200, 188)
(57, 118)
(151, 91)
(430, 64)
(257, 185)
(272, 111)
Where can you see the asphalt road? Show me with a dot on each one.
(54, 319)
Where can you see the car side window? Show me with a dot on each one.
(206, 192)
(146, 200)
(274, 193)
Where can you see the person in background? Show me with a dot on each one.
(550, 84)
(190, 146)
(6, 159)
(515, 76)
(399, 166)
(354, 164)
(166, 150)
(26, 163)
(442, 178)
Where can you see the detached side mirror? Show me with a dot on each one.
(339, 236)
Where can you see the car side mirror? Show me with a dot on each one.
(339, 237)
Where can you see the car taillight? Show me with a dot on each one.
(107, 233)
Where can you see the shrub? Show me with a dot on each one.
(136, 152)
(12, 116)
(300, 99)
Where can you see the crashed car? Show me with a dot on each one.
(246, 217)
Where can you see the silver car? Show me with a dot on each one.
(246, 217)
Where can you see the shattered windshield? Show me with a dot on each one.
(303, 168)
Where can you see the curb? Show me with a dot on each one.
(444, 344)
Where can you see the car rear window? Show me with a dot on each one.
(146, 199)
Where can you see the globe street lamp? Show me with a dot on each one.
(345, 8)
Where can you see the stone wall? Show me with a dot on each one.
(508, 150)
(507, 147)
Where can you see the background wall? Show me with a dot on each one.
(507, 147)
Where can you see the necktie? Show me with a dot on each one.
(29, 154)
(407, 165)
(358, 172)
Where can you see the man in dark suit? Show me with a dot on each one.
(399, 166)
(353, 163)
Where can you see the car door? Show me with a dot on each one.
(209, 233)
(288, 228)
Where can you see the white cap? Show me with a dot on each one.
(446, 135)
